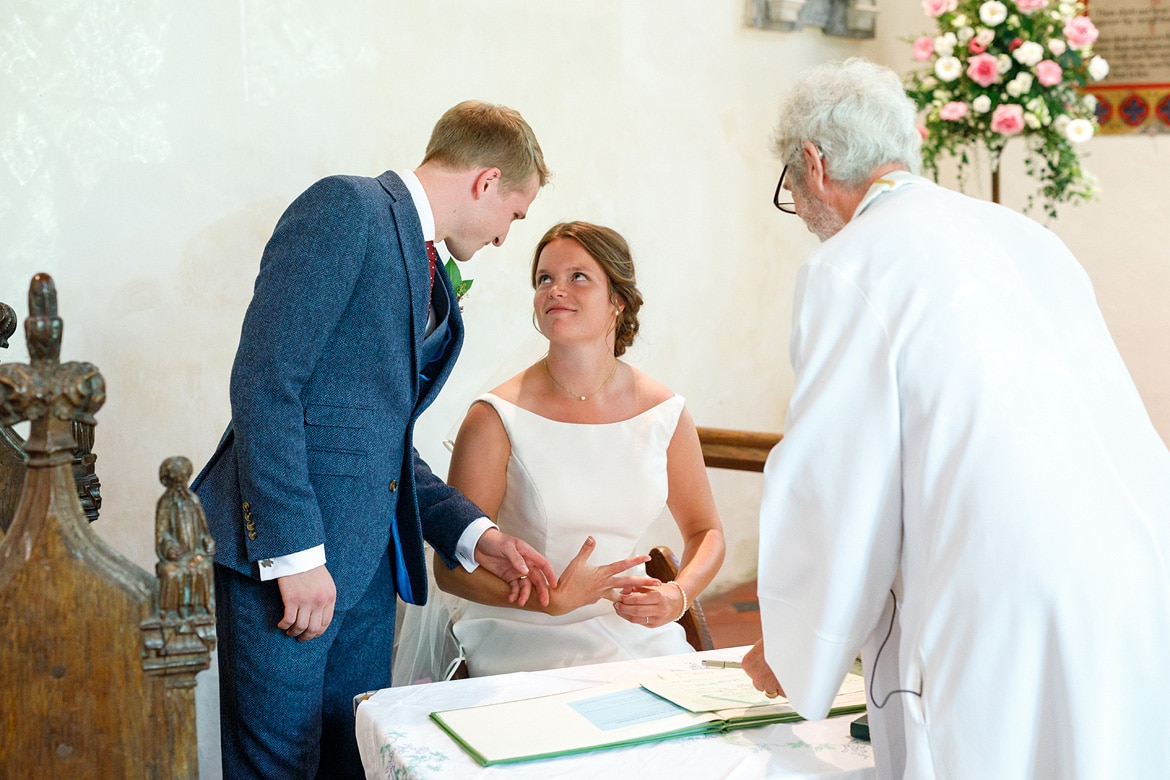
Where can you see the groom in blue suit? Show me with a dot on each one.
(317, 499)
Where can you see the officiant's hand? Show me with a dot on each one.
(516, 563)
(757, 668)
(582, 584)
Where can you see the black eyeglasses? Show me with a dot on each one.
(787, 206)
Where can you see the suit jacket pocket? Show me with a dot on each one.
(338, 416)
(338, 463)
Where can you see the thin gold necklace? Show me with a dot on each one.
(601, 387)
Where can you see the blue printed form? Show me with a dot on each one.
(625, 708)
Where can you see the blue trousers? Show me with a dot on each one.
(286, 707)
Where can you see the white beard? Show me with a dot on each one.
(820, 219)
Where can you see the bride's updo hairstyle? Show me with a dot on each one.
(612, 253)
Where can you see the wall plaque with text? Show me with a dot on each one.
(1135, 39)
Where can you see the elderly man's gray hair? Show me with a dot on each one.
(856, 113)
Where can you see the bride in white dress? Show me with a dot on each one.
(578, 455)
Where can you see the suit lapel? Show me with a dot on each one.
(414, 256)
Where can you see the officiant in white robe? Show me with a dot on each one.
(969, 490)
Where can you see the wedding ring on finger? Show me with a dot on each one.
(522, 577)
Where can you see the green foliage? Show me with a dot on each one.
(462, 286)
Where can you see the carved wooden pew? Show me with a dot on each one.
(96, 678)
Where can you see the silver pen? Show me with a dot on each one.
(712, 664)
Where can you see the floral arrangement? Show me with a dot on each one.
(1000, 69)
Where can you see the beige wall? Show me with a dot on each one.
(147, 148)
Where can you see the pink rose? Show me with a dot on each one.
(922, 132)
(1030, 6)
(939, 7)
(975, 47)
(983, 69)
(923, 48)
(953, 111)
(1008, 119)
(1048, 73)
(1080, 32)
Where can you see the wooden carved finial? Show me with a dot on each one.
(7, 324)
(50, 394)
(43, 327)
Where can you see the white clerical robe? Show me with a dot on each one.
(964, 440)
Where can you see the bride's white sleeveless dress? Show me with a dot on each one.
(567, 481)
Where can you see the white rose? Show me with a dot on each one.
(1005, 63)
(948, 68)
(1090, 102)
(1061, 123)
(1065, 9)
(981, 104)
(992, 13)
(965, 34)
(959, 20)
(984, 37)
(944, 45)
(1079, 130)
(1057, 46)
(1098, 68)
(1019, 85)
(1028, 53)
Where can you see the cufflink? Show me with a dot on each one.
(266, 563)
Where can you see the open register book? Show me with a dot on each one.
(677, 704)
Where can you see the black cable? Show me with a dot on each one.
(889, 632)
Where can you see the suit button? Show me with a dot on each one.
(393, 486)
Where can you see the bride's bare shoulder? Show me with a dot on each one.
(650, 391)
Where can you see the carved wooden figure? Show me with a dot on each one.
(94, 682)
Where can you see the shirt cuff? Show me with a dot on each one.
(293, 563)
(465, 549)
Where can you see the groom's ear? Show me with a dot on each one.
(485, 180)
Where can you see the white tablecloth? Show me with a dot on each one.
(398, 739)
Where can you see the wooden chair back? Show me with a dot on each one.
(739, 450)
(95, 679)
(663, 565)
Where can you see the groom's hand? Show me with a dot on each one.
(516, 563)
(308, 603)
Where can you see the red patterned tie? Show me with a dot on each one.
(433, 257)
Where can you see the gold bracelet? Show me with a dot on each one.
(686, 601)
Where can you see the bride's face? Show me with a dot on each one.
(573, 299)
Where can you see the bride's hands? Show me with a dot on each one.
(581, 584)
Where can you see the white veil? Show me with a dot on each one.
(425, 648)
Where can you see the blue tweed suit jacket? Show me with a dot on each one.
(330, 377)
